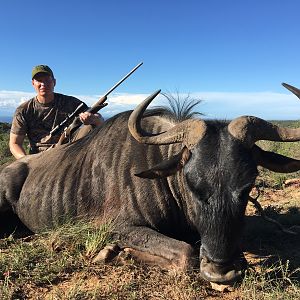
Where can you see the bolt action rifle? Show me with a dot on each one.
(69, 128)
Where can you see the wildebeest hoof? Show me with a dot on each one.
(123, 257)
(107, 254)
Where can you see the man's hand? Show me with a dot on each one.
(88, 118)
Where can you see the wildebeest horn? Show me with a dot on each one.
(250, 129)
(293, 89)
(188, 132)
(275, 162)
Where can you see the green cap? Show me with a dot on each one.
(41, 69)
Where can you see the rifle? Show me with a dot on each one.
(74, 116)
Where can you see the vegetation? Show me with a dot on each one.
(59, 264)
(46, 259)
(291, 149)
(5, 154)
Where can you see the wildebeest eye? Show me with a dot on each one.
(203, 195)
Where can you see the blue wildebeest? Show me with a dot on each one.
(201, 174)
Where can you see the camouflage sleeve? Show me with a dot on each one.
(19, 124)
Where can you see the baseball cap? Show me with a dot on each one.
(41, 69)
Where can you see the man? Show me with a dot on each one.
(39, 115)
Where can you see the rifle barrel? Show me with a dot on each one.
(93, 109)
(124, 78)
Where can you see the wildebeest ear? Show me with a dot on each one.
(167, 167)
(275, 162)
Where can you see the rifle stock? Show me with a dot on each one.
(98, 105)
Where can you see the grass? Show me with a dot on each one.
(274, 281)
(46, 259)
(272, 179)
(33, 269)
(291, 149)
(58, 265)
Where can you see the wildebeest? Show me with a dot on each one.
(184, 194)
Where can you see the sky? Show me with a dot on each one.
(232, 54)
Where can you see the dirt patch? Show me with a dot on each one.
(264, 242)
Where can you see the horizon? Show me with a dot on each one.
(214, 105)
(254, 104)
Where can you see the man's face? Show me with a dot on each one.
(43, 84)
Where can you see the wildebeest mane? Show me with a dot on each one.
(180, 107)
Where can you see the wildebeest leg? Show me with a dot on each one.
(12, 178)
(11, 181)
(152, 247)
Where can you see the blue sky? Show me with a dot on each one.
(233, 54)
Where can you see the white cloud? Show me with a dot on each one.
(221, 105)
(265, 105)
(11, 99)
(116, 102)
(128, 99)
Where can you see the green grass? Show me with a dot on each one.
(290, 149)
(274, 281)
(5, 155)
(48, 258)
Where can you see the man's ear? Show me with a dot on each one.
(54, 82)
(167, 167)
